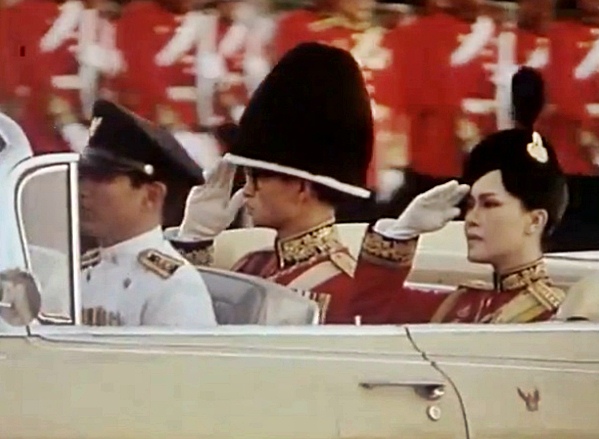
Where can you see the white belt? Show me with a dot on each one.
(478, 106)
(182, 93)
(66, 82)
(593, 109)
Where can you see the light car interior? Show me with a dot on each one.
(242, 299)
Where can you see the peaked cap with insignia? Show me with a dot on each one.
(528, 163)
(310, 118)
(122, 142)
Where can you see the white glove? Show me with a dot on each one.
(210, 208)
(428, 212)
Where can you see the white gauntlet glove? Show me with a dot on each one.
(428, 212)
(210, 208)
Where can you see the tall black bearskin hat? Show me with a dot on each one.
(529, 167)
(310, 118)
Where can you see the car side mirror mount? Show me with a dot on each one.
(20, 298)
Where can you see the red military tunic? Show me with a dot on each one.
(573, 90)
(9, 56)
(379, 52)
(316, 264)
(524, 295)
(42, 43)
(445, 71)
(158, 47)
(228, 40)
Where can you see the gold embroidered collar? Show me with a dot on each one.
(320, 240)
(522, 277)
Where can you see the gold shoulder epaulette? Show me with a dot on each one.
(547, 295)
(344, 261)
(476, 284)
(90, 258)
(161, 264)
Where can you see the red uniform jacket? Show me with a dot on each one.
(573, 85)
(230, 42)
(438, 90)
(316, 265)
(161, 92)
(9, 55)
(379, 52)
(30, 22)
(525, 295)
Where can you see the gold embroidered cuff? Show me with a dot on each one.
(383, 250)
(200, 253)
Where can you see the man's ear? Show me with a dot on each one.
(156, 193)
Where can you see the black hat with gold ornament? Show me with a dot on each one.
(528, 163)
(121, 142)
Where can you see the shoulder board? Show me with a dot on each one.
(53, 319)
(161, 264)
(90, 258)
(547, 295)
(476, 284)
(345, 262)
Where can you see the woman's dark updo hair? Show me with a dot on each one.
(528, 164)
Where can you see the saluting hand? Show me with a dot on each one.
(428, 212)
(210, 208)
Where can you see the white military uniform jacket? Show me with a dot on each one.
(143, 281)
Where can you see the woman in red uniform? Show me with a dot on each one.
(517, 195)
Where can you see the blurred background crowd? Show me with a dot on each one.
(438, 72)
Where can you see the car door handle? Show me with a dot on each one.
(429, 390)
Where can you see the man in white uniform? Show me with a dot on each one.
(136, 277)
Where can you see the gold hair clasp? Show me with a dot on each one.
(536, 149)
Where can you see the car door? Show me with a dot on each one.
(525, 381)
(232, 382)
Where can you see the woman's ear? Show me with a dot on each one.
(538, 221)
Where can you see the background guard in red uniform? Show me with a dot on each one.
(450, 98)
(573, 83)
(377, 46)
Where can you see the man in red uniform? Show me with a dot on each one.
(80, 70)
(295, 189)
(526, 44)
(350, 25)
(517, 191)
(573, 80)
(40, 29)
(158, 43)
(451, 98)
(9, 53)
(232, 60)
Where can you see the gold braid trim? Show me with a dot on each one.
(203, 257)
(528, 305)
(384, 250)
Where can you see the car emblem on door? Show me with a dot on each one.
(531, 399)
